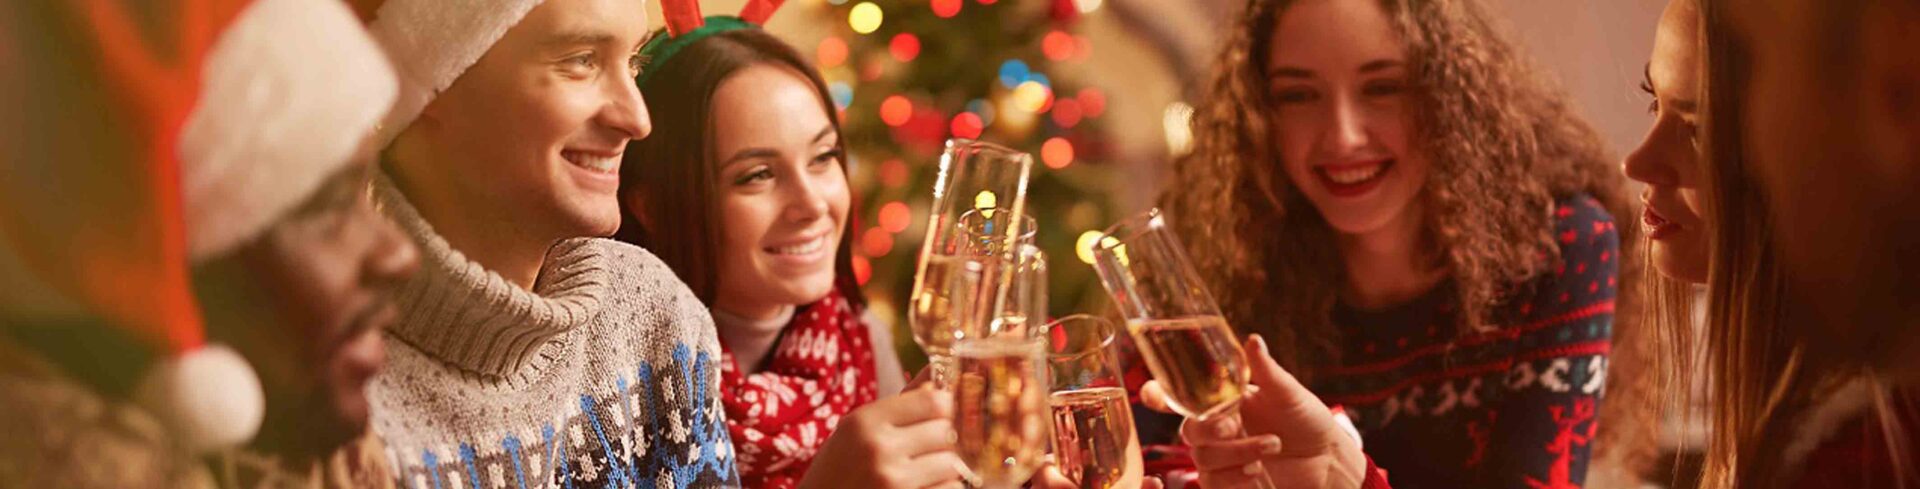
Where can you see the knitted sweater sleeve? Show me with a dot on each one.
(1540, 435)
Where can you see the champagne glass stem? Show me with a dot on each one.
(940, 370)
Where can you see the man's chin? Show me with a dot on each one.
(582, 213)
(312, 434)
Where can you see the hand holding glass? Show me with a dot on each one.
(1174, 321)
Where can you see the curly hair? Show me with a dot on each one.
(1504, 143)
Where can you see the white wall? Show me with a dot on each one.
(1598, 49)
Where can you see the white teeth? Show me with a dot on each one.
(803, 248)
(607, 164)
(1348, 176)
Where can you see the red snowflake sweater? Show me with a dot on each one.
(1509, 408)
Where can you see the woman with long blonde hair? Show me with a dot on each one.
(1420, 225)
(1801, 397)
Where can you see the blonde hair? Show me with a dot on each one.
(1763, 379)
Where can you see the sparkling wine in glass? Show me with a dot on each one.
(1094, 442)
(1000, 408)
(1173, 319)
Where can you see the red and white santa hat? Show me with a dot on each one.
(289, 95)
(433, 42)
(242, 111)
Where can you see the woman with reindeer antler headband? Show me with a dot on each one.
(746, 197)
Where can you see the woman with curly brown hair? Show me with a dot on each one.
(1422, 228)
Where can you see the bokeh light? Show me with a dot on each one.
(946, 9)
(1083, 247)
(1031, 96)
(865, 18)
(1066, 113)
(862, 270)
(894, 173)
(842, 94)
(1056, 153)
(896, 110)
(876, 242)
(1093, 102)
(967, 125)
(1058, 46)
(985, 200)
(905, 46)
(1013, 72)
(981, 107)
(832, 52)
(1177, 122)
(895, 217)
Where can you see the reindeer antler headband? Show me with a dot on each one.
(685, 26)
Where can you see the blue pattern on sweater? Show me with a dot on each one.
(661, 452)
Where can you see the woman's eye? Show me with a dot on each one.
(1653, 99)
(1384, 88)
(829, 157)
(1295, 96)
(759, 175)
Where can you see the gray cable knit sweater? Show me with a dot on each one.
(603, 376)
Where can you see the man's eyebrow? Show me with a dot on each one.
(575, 38)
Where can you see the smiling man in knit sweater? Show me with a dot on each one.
(530, 352)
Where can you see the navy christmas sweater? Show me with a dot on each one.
(1510, 408)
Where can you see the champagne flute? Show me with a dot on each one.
(1094, 442)
(1174, 321)
(974, 177)
(1019, 304)
(1000, 403)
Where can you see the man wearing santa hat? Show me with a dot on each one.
(530, 349)
(229, 137)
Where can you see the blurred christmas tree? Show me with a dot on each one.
(908, 74)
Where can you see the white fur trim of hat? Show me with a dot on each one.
(290, 93)
(432, 42)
